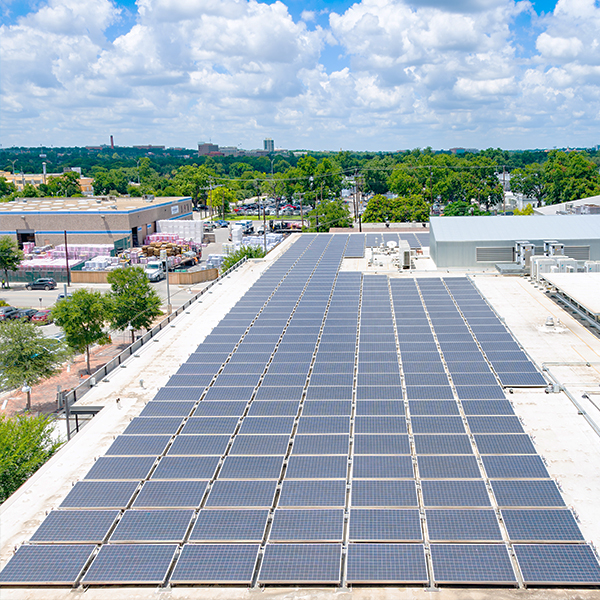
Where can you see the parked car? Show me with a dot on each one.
(221, 223)
(46, 283)
(42, 317)
(26, 313)
(8, 312)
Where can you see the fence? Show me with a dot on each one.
(73, 395)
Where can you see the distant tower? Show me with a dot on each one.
(269, 145)
(112, 143)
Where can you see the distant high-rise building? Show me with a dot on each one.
(269, 145)
(205, 149)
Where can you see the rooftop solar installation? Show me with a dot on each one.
(397, 525)
(170, 494)
(152, 526)
(80, 526)
(294, 525)
(100, 494)
(463, 525)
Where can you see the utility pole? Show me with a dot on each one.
(301, 214)
(67, 259)
(503, 190)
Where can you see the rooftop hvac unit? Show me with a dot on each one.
(540, 265)
(592, 266)
(404, 251)
(524, 251)
(554, 248)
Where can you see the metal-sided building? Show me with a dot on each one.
(481, 242)
(101, 220)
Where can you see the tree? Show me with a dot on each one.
(10, 256)
(235, 257)
(527, 211)
(570, 177)
(132, 301)
(462, 209)
(27, 356)
(220, 198)
(82, 317)
(530, 182)
(396, 210)
(66, 185)
(6, 187)
(26, 443)
(329, 213)
(193, 180)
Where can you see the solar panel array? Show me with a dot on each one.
(373, 240)
(333, 428)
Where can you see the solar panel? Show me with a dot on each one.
(381, 444)
(448, 467)
(437, 425)
(469, 379)
(46, 564)
(291, 525)
(384, 493)
(321, 444)
(380, 407)
(267, 425)
(289, 368)
(82, 526)
(525, 493)
(504, 444)
(463, 525)
(167, 409)
(246, 380)
(153, 426)
(198, 445)
(186, 467)
(301, 563)
(279, 393)
(522, 380)
(487, 392)
(433, 407)
(136, 445)
(455, 493)
(495, 424)
(100, 494)
(311, 493)
(232, 494)
(443, 444)
(220, 409)
(314, 408)
(387, 424)
(487, 407)
(273, 408)
(369, 525)
(329, 393)
(130, 564)
(241, 368)
(216, 563)
(187, 380)
(260, 445)
(515, 467)
(251, 467)
(121, 467)
(317, 467)
(429, 392)
(379, 392)
(229, 393)
(152, 526)
(179, 393)
(472, 563)
(307, 425)
(193, 368)
(278, 380)
(565, 564)
(230, 525)
(541, 526)
(170, 494)
(382, 467)
(210, 425)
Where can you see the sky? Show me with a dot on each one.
(378, 75)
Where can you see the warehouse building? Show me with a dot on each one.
(482, 242)
(99, 220)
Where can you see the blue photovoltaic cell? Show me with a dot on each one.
(82, 526)
(381, 444)
(379, 392)
(472, 563)
(314, 408)
(455, 493)
(495, 424)
(386, 563)
(170, 494)
(468, 379)
(314, 425)
(301, 563)
(137, 445)
(277, 393)
(251, 467)
(220, 409)
(191, 381)
(210, 425)
(230, 525)
(285, 379)
(522, 380)
(504, 444)
(121, 467)
(257, 494)
(229, 393)
(380, 407)
(307, 525)
(131, 563)
(317, 467)
(515, 467)
(558, 564)
(167, 409)
(329, 393)
(179, 393)
(152, 526)
(321, 444)
(527, 493)
(392, 493)
(267, 425)
(429, 392)
(370, 525)
(246, 380)
(480, 392)
(443, 444)
(426, 378)
(273, 408)
(387, 424)
(260, 445)
(186, 467)
(448, 467)
(46, 565)
(437, 425)
(100, 494)
(198, 445)
(382, 467)
(487, 407)
(331, 379)
(311, 493)
(463, 525)
(153, 426)
(433, 407)
(541, 526)
(216, 563)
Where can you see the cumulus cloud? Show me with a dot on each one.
(420, 72)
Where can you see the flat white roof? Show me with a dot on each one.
(584, 288)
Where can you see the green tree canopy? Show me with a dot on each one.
(26, 443)
(194, 181)
(7, 188)
(570, 177)
(27, 356)
(462, 209)
(396, 210)
(329, 213)
(220, 199)
(132, 301)
(244, 251)
(10, 256)
(82, 317)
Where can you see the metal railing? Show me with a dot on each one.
(76, 393)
